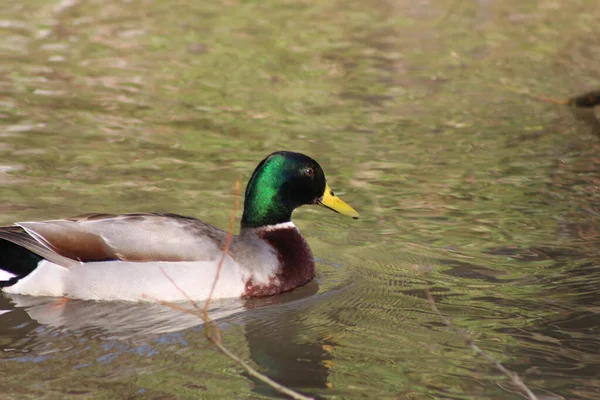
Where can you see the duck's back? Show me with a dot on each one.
(128, 237)
(112, 256)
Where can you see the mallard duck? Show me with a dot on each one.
(126, 257)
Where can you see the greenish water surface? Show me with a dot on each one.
(423, 117)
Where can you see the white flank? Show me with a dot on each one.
(6, 276)
(46, 280)
(4, 311)
(131, 281)
(149, 281)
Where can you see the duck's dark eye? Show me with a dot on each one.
(309, 172)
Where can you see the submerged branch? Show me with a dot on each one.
(515, 379)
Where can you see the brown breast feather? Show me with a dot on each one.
(296, 263)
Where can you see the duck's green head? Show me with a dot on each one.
(282, 182)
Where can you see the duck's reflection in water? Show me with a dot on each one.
(275, 344)
(272, 327)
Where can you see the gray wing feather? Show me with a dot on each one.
(128, 237)
(19, 236)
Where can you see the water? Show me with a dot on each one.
(422, 115)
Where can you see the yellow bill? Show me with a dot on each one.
(336, 204)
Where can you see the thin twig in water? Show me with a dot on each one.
(515, 379)
(211, 329)
(236, 204)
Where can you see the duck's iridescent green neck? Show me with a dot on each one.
(263, 204)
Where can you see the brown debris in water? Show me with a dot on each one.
(586, 100)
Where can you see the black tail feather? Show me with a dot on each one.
(16, 260)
